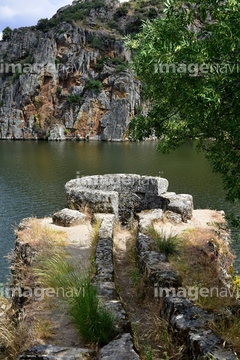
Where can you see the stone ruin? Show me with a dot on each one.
(125, 195)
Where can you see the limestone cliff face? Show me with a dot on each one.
(70, 82)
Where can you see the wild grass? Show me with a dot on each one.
(39, 236)
(195, 253)
(94, 323)
(52, 268)
(166, 243)
(44, 329)
(13, 338)
(229, 329)
(94, 233)
(6, 337)
(16, 335)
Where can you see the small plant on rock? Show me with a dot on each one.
(94, 85)
(166, 243)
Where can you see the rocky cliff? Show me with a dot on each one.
(68, 77)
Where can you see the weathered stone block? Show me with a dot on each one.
(67, 217)
(173, 217)
(155, 264)
(121, 194)
(106, 228)
(50, 352)
(181, 204)
(189, 325)
(144, 243)
(146, 218)
(104, 260)
(93, 200)
(119, 349)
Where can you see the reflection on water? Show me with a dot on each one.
(33, 175)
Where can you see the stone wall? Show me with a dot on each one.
(122, 346)
(188, 323)
(124, 195)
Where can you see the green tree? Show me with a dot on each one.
(188, 61)
(6, 34)
(43, 25)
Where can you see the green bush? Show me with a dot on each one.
(96, 43)
(118, 61)
(120, 68)
(152, 13)
(74, 99)
(121, 11)
(59, 90)
(100, 63)
(43, 25)
(6, 33)
(134, 27)
(94, 85)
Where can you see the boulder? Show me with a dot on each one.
(179, 203)
(67, 217)
(146, 218)
(119, 349)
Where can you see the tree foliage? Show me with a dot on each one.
(188, 61)
(6, 34)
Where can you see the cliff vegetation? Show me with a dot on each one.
(68, 76)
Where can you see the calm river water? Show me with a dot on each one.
(33, 175)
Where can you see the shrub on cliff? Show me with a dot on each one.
(6, 34)
(94, 85)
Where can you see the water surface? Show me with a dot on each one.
(33, 174)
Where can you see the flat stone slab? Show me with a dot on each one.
(120, 349)
(67, 217)
(147, 217)
(50, 352)
(106, 228)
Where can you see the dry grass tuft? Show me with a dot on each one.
(229, 329)
(17, 335)
(13, 338)
(44, 329)
(39, 236)
(205, 253)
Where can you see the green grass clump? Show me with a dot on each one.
(166, 243)
(94, 323)
(94, 85)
